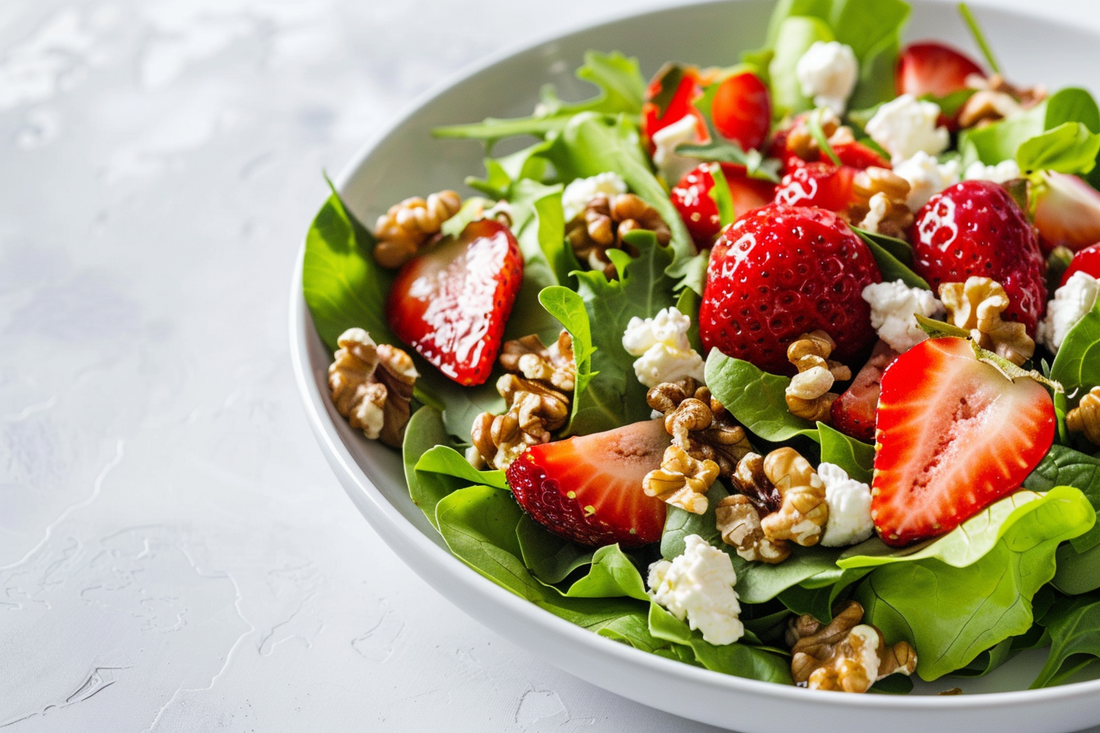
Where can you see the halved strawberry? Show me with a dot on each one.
(853, 413)
(933, 68)
(1087, 261)
(858, 155)
(451, 302)
(669, 98)
(691, 197)
(589, 488)
(742, 109)
(954, 435)
(817, 184)
(1067, 211)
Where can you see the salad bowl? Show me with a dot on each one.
(406, 160)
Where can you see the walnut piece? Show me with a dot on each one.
(739, 525)
(537, 403)
(808, 394)
(1085, 418)
(407, 226)
(976, 306)
(372, 386)
(844, 655)
(681, 480)
(802, 142)
(720, 439)
(803, 514)
(996, 99)
(880, 205)
(603, 224)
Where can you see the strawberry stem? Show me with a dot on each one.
(979, 37)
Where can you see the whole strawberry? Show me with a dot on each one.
(779, 272)
(976, 228)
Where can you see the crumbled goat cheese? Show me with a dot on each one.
(876, 212)
(849, 503)
(926, 177)
(577, 194)
(907, 126)
(669, 164)
(1002, 172)
(699, 585)
(1071, 303)
(892, 307)
(661, 343)
(827, 73)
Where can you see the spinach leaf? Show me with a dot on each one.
(539, 225)
(621, 90)
(446, 461)
(1001, 140)
(795, 36)
(342, 284)
(889, 265)
(1068, 148)
(1064, 466)
(755, 398)
(679, 524)
(1077, 365)
(612, 575)
(1075, 640)
(874, 33)
(425, 432)
(759, 582)
(550, 558)
(854, 456)
(633, 630)
(607, 393)
(899, 249)
(1078, 571)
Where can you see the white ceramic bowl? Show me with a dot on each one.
(406, 160)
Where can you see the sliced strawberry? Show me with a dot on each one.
(976, 228)
(1087, 261)
(954, 435)
(933, 68)
(1067, 211)
(853, 413)
(779, 272)
(451, 303)
(742, 110)
(817, 184)
(589, 489)
(858, 155)
(669, 98)
(692, 199)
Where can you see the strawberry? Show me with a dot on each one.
(1067, 211)
(933, 68)
(976, 228)
(954, 435)
(451, 302)
(853, 413)
(691, 196)
(669, 98)
(589, 488)
(779, 272)
(852, 154)
(1086, 260)
(817, 184)
(742, 110)
(858, 155)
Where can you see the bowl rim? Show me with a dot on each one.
(394, 528)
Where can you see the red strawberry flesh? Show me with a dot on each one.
(452, 302)
(933, 68)
(1087, 261)
(691, 197)
(742, 110)
(853, 413)
(954, 435)
(589, 488)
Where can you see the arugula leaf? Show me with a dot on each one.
(755, 398)
(1077, 365)
(621, 91)
(1064, 466)
(607, 393)
(899, 249)
(1067, 148)
(979, 37)
(1074, 639)
(342, 284)
(719, 150)
(854, 456)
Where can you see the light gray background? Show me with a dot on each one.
(174, 553)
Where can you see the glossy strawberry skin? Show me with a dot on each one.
(588, 489)
(742, 110)
(451, 302)
(933, 68)
(954, 435)
(1087, 261)
(817, 184)
(691, 197)
(976, 228)
(779, 272)
(854, 411)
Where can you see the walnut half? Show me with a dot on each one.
(372, 386)
(808, 394)
(977, 306)
(1085, 418)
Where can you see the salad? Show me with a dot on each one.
(788, 369)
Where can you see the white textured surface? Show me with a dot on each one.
(175, 554)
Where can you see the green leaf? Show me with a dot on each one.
(720, 193)
(1068, 148)
(680, 524)
(550, 558)
(888, 264)
(425, 432)
(444, 460)
(979, 37)
(611, 575)
(899, 249)
(688, 304)
(1077, 365)
(719, 150)
(1078, 572)
(1001, 140)
(607, 393)
(759, 582)
(1064, 466)
(633, 630)
(854, 456)
(755, 398)
(1074, 636)
(342, 284)
(795, 36)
